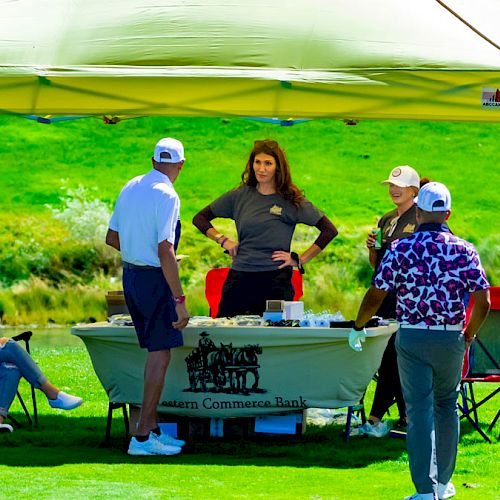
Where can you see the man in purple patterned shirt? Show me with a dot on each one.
(430, 270)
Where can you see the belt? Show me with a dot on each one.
(450, 328)
(128, 265)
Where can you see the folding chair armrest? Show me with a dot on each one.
(486, 378)
(26, 336)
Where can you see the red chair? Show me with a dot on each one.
(215, 279)
(481, 364)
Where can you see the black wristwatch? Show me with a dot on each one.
(300, 267)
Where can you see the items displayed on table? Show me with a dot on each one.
(275, 311)
(372, 323)
(320, 320)
(281, 317)
(202, 321)
(283, 310)
(243, 320)
(121, 320)
(289, 323)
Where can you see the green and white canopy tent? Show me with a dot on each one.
(291, 59)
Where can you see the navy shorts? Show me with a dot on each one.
(152, 307)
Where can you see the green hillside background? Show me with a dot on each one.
(60, 178)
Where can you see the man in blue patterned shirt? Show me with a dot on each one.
(431, 271)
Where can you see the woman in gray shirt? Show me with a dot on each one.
(266, 207)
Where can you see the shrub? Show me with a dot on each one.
(85, 217)
(33, 301)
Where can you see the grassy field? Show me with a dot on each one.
(50, 274)
(61, 458)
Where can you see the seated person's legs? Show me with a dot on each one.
(9, 381)
(11, 352)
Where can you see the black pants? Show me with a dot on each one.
(388, 384)
(246, 293)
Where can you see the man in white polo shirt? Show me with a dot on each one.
(145, 228)
(430, 271)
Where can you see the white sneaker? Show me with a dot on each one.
(153, 446)
(65, 401)
(421, 496)
(170, 441)
(446, 490)
(380, 429)
(6, 428)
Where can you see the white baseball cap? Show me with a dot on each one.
(172, 149)
(403, 176)
(434, 197)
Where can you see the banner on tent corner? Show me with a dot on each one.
(490, 98)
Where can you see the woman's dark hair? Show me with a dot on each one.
(283, 178)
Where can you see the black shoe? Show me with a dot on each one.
(399, 429)
(401, 425)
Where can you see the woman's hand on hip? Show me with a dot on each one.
(3, 340)
(231, 247)
(285, 257)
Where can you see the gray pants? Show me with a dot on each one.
(15, 363)
(430, 366)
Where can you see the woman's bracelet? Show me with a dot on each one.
(218, 237)
(296, 258)
(223, 241)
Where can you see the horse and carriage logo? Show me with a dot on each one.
(223, 369)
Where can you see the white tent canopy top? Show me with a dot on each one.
(354, 59)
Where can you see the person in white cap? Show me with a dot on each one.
(431, 271)
(404, 183)
(15, 362)
(145, 229)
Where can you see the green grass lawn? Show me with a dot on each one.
(339, 167)
(55, 278)
(61, 458)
